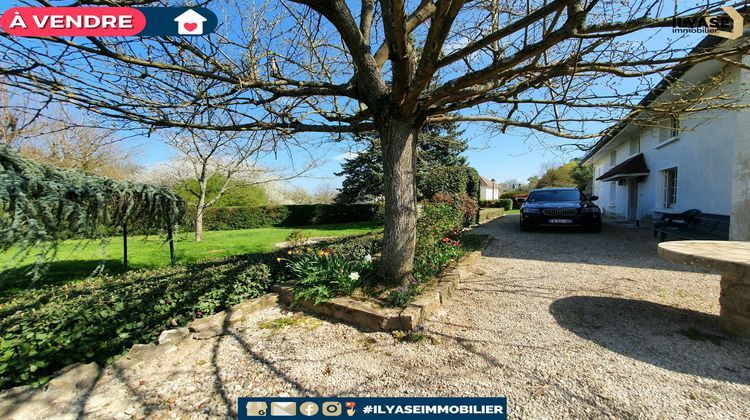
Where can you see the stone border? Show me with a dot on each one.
(371, 316)
(72, 383)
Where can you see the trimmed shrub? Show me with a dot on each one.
(436, 221)
(233, 218)
(452, 180)
(445, 179)
(515, 204)
(466, 206)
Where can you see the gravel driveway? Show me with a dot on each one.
(565, 324)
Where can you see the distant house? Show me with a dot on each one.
(488, 189)
(651, 164)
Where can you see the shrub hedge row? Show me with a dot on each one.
(231, 218)
(504, 203)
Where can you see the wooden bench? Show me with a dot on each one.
(702, 226)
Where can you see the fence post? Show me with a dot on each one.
(171, 245)
(125, 246)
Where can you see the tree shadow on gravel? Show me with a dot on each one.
(613, 247)
(671, 338)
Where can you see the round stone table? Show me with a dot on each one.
(732, 260)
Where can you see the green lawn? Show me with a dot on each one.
(76, 260)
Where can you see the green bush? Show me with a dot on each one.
(448, 179)
(436, 221)
(452, 180)
(323, 273)
(515, 204)
(505, 203)
(465, 205)
(233, 218)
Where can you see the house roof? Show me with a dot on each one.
(709, 42)
(485, 181)
(190, 14)
(632, 167)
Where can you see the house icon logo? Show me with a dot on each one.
(190, 23)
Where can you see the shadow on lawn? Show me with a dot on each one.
(342, 226)
(56, 273)
(671, 338)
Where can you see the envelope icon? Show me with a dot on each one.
(284, 408)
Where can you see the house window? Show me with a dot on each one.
(670, 188)
(613, 158)
(635, 146)
(669, 130)
(612, 193)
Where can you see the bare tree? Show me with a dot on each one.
(228, 155)
(64, 141)
(290, 67)
(325, 193)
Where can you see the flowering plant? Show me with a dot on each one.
(323, 274)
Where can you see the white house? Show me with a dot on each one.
(650, 163)
(488, 189)
(190, 23)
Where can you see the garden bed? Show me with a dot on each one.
(369, 313)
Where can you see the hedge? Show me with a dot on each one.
(504, 203)
(232, 218)
(452, 180)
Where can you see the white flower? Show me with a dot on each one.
(368, 258)
(354, 276)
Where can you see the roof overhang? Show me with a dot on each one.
(633, 167)
(708, 43)
(622, 176)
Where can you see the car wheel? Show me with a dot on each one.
(525, 227)
(596, 228)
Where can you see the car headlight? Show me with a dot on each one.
(590, 210)
(527, 211)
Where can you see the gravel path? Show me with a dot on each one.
(565, 324)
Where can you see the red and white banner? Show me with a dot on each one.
(73, 21)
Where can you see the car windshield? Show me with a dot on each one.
(555, 195)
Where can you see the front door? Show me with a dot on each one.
(632, 199)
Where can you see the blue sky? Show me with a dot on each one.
(501, 156)
(518, 154)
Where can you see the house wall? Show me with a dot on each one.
(703, 154)
(485, 192)
(739, 224)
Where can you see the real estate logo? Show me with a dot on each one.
(730, 25)
(108, 21)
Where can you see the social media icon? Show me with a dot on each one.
(308, 408)
(350, 407)
(331, 408)
(283, 408)
(256, 408)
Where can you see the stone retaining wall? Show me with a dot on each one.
(371, 316)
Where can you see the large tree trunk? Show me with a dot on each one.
(399, 139)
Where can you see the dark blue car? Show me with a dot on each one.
(560, 207)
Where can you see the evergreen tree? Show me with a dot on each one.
(438, 145)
